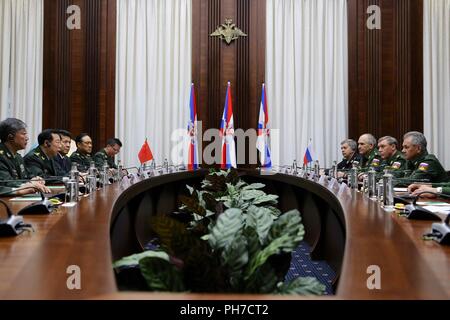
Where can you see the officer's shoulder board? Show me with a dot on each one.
(39, 155)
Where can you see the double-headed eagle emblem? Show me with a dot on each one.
(228, 31)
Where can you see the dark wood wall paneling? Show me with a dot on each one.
(215, 63)
(385, 68)
(79, 69)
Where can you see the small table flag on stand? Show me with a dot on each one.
(262, 143)
(308, 157)
(145, 154)
(227, 133)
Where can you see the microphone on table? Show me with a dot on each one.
(44, 206)
(14, 225)
(416, 212)
(440, 231)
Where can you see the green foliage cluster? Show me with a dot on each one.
(236, 241)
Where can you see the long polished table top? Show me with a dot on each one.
(34, 265)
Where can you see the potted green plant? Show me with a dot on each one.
(228, 237)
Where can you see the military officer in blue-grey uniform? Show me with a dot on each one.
(62, 160)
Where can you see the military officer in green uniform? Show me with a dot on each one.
(392, 158)
(82, 157)
(14, 137)
(424, 167)
(107, 154)
(367, 147)
(40, 161)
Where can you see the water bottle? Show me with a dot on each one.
(104, 176)
(380, 191)
(388, 191)
(353, 178)
(119, 171)
(92, 183)
(75, 177)
(372, 183)
(294, 168)
(316, 168)
(92, 169)
(71, 191)
(333, 171)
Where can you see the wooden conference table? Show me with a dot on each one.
(350, 232)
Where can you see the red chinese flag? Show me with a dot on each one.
(145, 154)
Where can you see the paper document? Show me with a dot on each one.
(433, 203)
(438, 209)
(26, 199)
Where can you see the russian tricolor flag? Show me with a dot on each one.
(192, 132)
(227, 133)
(262, 143)
(308, 155)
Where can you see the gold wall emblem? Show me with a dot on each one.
(228, 32)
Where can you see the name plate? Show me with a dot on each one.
(333, 183)
(344, 190)
(323, 179)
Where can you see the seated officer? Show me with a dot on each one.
(40, 161)
(367, 147)
(350, 154)
(82, 157)
(392, 158)
(14, 137)
(425, 167)
(62, 161)
(107, 154)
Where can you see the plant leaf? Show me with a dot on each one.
(235, 257)
(174, 236)
(192, 205)
(303, 286)
(285, 235)
(275, 211)
(266, 198)
(191, 189)
(254, 186)
(161, 275)
(253, 244)
(288, 224)
(133, 260)
(260, 219)
(251, 194)
(228, 225)
(263, 281)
